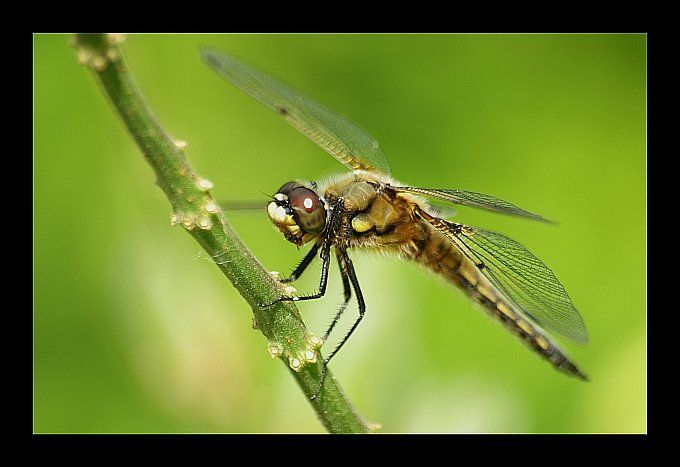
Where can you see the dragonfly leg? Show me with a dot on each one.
(329, 235)
(347, 292)
(309, 257)
(326, 258)
(348, 269)
(348, 277)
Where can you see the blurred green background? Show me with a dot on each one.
(136, 331)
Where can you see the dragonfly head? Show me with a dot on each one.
(298, 212)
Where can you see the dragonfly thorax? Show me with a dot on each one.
(298, 212)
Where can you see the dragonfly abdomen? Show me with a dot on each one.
(439, 254)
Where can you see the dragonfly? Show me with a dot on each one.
(368, 209)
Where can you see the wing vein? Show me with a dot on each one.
(524, 280)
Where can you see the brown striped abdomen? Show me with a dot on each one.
(439, 254)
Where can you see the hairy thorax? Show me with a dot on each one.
(378, 217)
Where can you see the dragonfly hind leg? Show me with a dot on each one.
(347, 293)
(348, 274)
(349, 281)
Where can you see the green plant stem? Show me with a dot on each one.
(195, 210)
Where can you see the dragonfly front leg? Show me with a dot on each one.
(302, 266)
(325, 257)
(329, 235)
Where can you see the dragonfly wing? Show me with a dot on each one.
(476, 200)
(337, 135)
(522, 278)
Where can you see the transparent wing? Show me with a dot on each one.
(476, 200)
(522, 278)
(252, 207)
(337, 135)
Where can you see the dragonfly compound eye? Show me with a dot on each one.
(309, 210)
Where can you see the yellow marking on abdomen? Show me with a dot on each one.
(490, 295)
(542, 342)
(505, 310)
(524, 326)
(470, 273)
